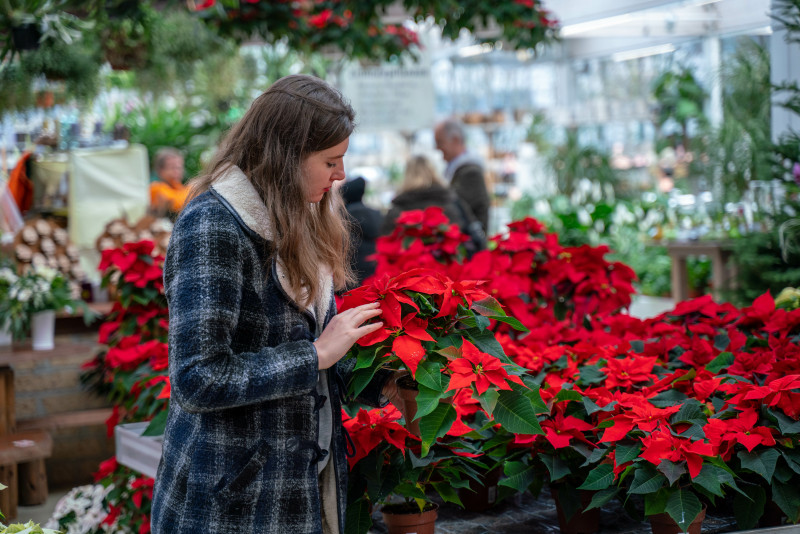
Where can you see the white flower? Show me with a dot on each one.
(24, 295)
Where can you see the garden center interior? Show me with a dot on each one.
(638, 265)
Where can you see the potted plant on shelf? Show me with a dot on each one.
(41, 292)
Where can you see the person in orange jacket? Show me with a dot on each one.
(168, 193)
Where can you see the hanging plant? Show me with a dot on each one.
(77, 65)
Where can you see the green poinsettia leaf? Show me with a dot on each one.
(672, 470)
(516, 413)
(591, 374)
(691, 412)
(510, 321)
(531, 392)
(786, 424)
(654, 503)
(566, 394)
(361, 378)
(599, 478)
(748, 508)
(668, 398)
(709, 479)
(721, 341)
(157, 425)
(366, 357)
(519, 475)
(787, 497)
(646, 480)
(358, 519)
(627, 453)
(555, 465)
(723, 360)
(762, 463)
(436, 424)
(429, 374)
(694, 433)
(427, 401)
(637, 346)
(488, 307)
(486, 342)
(683, 507)
(447, 492)
(600, 498)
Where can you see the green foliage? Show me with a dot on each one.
(680, 100)
(739, 149)
(16, 92)
(77, 64)
(159, 125)
(761, 267)
(573, 161)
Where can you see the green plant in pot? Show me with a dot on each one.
(127, 41)
(436, 330)
(25, 24)
(388, 469)
(77, 65)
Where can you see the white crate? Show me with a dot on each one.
(140, 453)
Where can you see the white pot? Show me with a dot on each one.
(6, 339)
(43, 326)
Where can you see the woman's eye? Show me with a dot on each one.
(331, 165)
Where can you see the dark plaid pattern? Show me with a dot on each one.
(240, 450)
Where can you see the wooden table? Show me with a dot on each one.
(723, 272)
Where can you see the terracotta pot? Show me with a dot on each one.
(481, 495)
(582, 522)
(408, 397)
(407, 389)
(406, 519)
(664, 524)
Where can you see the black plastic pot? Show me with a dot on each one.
(26, 36)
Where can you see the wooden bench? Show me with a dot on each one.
(22, 457)
(78, 418)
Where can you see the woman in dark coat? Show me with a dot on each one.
(254, 441)
(422, 188)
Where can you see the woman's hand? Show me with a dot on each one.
(345, 329)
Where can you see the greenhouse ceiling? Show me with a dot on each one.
(605, 27)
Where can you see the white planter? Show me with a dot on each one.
(6, 339)
(43, 327)
(140, 453)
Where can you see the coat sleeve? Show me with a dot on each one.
(469, 184)
(203, 277)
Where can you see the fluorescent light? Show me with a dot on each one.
(571, 30)
(643, 52)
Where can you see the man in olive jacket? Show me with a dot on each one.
(464, 171)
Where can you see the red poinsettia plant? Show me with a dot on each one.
(437, 330)
(421, 239)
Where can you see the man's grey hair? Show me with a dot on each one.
(452, 129)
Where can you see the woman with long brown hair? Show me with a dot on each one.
(254, 441)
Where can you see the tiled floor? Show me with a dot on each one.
(40, 514)
(528, 515)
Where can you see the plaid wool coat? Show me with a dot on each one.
(241, 444)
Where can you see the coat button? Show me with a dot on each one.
(293, 444)
(298, 332)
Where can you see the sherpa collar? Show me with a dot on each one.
(234, 186)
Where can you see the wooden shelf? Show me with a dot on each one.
(64, 348)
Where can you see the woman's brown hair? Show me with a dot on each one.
(296, 117)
